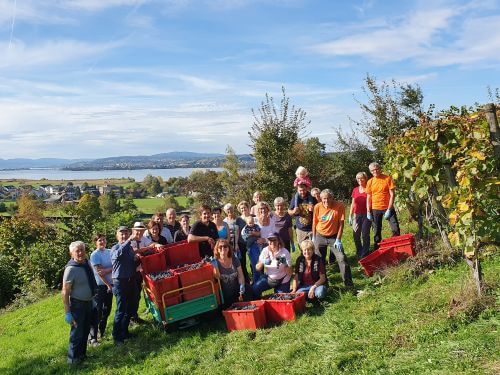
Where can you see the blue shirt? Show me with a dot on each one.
(303, 220)
(101, 258)
(123, 260)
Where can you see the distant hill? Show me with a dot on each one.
(177, 159)
(21, 163)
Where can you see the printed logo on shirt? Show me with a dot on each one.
(327, 217)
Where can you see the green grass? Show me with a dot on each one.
(151, 205)
(399, 325)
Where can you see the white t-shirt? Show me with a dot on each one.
(267, 230)
(272, 270)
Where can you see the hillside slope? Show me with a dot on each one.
(400, 325)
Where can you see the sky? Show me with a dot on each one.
(100, 78)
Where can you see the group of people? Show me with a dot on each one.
(259, 233)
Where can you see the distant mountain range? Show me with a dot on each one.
(164, 160)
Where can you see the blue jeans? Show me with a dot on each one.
(125, 291)
(262, 285)
(78, 336)
(253, 255)
(104, 301)
(319, 292)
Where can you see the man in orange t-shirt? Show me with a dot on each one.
(327, 228)
(380, 202)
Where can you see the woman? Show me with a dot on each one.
(100, 260)
(227, 268)
(152, 235)
(275, 261)
(204, 232)
(222, 227)
(182, 234)
(310, 275)
(266, 222)
(358, 219)
(257, 197)
(283, 222)
(164, 231)
(244, 209)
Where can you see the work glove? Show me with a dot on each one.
(369, 216)
(213, 262)
(68, 318)
(350, 221)
(242, 288)
(338, 244)
(387, 214)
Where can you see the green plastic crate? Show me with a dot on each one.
(190, 308)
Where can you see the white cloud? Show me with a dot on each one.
(98, 5)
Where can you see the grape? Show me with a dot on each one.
(160, 275)
(244, 307)
(282, 297)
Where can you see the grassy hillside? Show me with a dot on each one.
(400, 324)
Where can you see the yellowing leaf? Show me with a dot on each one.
(464, 181)
(463, 206)
(395, 175)
(478, 155)
(453, 217)
(454, 239)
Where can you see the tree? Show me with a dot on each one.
(129, 204)
(273, 135)
(28, 208)
(108, 204)
(169, 201)
(237, 186)
(206, 187)
(392, 108)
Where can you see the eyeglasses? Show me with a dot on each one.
(224, 246)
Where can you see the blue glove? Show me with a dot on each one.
(369, 216)
(68, 318)
(242, 288)
(214, 263)
(338, 244)
(293, 247)
(387, 214)
(350, 221)
(267, 261)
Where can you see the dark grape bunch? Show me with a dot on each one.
(282, 297)
(190, 267)
(161, 275)
(245, 307)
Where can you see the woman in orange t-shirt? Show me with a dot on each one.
(380, 202)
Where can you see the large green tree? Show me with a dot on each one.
(274, 134)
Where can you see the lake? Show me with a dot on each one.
(59, 174)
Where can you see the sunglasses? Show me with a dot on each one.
(224, 246)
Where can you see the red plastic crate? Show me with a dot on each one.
(246, 319)
(380, 259)
(281, 310)
(156, 289)
(405, 238)
(402, 248)
(153, 263)
(182, 253)
(191, 277)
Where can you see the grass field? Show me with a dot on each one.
(98, 182)
(151, 205)
(399, 325)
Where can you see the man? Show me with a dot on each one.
(124, 281)
(327, 229)
(301, 207)
(78, 290)
(171, 224)
(138, 232)
(204, 232)
(380, 202)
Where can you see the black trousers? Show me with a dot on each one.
(378, 217)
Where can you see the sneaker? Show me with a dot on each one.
(94, 343)
(74, 361)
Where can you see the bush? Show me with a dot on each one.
(7, 284)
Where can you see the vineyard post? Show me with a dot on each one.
(491, 116)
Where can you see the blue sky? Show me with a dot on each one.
(98, 78)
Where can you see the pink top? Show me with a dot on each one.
(359, 201)
(302, 181)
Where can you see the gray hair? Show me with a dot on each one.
(279, 200)
(315, 189)
(227, 206)
(76, 245)
(263, 204)
(374, 165)
(361, 174)
(171, 210)
(307, 244)
(326, 193)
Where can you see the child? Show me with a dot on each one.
(250, 233)
(302, 178)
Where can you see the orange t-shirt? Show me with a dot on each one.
(379, 188)
(326, 221)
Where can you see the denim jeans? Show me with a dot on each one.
(253, 255)
(78, 336)
(262, 285)
(319, 292)
(125, 291)
(378, 217)
(321, 243)
(361, 234)
(103, 302)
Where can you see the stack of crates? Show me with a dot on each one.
(391, 251)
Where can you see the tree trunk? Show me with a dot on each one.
(491, 117)
(477, 274)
